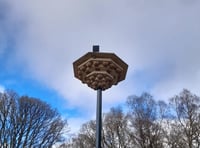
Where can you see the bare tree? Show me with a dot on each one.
(148, 124)
(113, 132)
(115, 129)
(187, 110)
(7, 116)
(146, 131)
(85, 138)
(28, 122)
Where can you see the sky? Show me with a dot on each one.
(40, 39)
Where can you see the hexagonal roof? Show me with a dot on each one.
(100, 70)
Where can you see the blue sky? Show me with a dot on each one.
(39, 41)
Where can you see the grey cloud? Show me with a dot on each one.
(148, 35)
(3, 41)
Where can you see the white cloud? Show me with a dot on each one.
(149, 36)
(2, 88)
(75, 123)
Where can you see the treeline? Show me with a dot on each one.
(27, 122)
(147, 124)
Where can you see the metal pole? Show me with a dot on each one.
(98, 118)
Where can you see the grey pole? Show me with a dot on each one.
(99, 110)
(99, 118)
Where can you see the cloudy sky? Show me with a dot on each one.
(40, 39)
